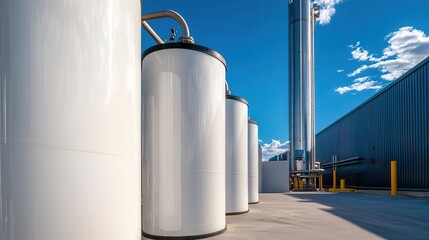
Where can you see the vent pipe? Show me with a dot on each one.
(185, 38)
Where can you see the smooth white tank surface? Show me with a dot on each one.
(70, 119)
(260, 167)
(253, 162)
(183, 167)
(236, 155)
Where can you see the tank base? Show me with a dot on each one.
(237, 213)
(254, 202)
(184, 237)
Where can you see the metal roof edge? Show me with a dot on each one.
(393, 83)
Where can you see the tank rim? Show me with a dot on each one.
(237, 98)
(189, 46)
(253, 121)
(185, 237)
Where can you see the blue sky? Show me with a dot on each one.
(360, 47)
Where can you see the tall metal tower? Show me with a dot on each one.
(301, 84)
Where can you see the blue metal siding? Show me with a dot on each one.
(392, 125)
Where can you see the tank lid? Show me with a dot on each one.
(188, 46)
(237, 98)
(253, 121)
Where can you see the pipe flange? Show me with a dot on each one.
(185, 39)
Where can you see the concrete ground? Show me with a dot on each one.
(320, 215)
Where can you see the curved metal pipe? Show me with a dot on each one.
(152, 32)
(227, 91)
(186, 37)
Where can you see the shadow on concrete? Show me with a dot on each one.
(389, 217)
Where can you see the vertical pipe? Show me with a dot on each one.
(301, 184)
(295, 183)
(314, 182)
(312, 146)
(320, 182)
(342, 184)
(334, 179)
(393, 178)
(301, 99)
(292, 164)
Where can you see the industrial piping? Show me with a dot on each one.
(227, 91)
(186, 36)
(152, 32)
(301, 84)
(301, 93)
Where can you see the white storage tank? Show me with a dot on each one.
(260, 167)
(236, 155)
(70, 119)
(183, 168)
(253, 162)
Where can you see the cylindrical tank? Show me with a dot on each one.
(260, 167)
(236, 155)
(301, 85)
(183, 168)
(70, 119)
(253, 162)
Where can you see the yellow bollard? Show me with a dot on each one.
(334, 179)
(393, 178)
(295, 183)
(342, 184)
(320, 182)
(301, 184)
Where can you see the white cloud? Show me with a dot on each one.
(406, 47)
(394, 68)
(361, 79)
(342, 90)
(358, 71)
(327, 10)
(340, 70)
(359, 85)
(361, 54)
(274, 148)
(354, 46)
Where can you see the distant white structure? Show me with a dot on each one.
(275, 176)
(253, 162)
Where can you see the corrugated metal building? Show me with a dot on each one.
(392, 125)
